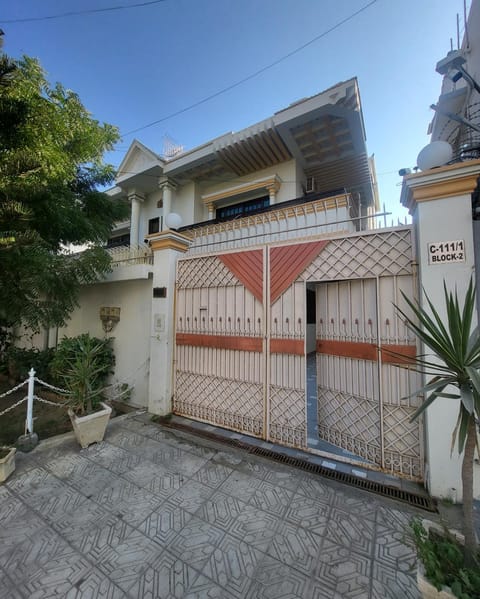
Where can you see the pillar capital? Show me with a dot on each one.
(439, 183)
(166, 183)
(169, 240)
(133, 194)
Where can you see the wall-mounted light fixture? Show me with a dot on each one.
(109, 317)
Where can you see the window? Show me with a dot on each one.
(154, 225)
(115, 242)
(243, 208)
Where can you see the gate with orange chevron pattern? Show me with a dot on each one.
(241, 344)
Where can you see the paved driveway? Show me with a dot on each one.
(152, 513)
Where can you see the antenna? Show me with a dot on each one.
(170, 147)
(458, 31)
(467, 41)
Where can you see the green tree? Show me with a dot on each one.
(51, 167)
(456, 344)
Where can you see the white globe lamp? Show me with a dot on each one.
(435, 154)
(173, 220)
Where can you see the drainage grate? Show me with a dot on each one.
(415, 499)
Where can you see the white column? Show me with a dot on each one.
(167, 246)
(440, 201)
(135, 199)
(167, 186)
(211, 210)
(272, 189)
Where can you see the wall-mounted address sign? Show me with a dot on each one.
(445, 252)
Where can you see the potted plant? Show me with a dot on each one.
(7, 462)
(456, 348)
(82, 365)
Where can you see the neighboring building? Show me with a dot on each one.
(457, 111)
(444, 201)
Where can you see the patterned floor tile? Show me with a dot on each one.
(212, 474)
(167, 577)
(7, 588)
(97, 541)
(221, 510)
(314, 486)
(271, 498)
(90, 478)
(388, 583)
(283, 477)
(157, 479)
(163, 525)
(275, 580)
(34, 482)
(196, 542)
(95, 585)
(232, 566)
(255, 527)
(351, 531)
(204, 588)
(308, 513)
(128, 501)
(191, 496)
(392, 548)
(362, 504)
(72, 525)
(45, 566)
(188, 464)
(124, 562)
(126, 439)
(295, 547)
(240, 485)
(18, 523)
(229, 459)
(394, 518)
(113, 458)
(343, 570)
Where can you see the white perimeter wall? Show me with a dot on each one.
(131, 335)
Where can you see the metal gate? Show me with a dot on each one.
(241, 354)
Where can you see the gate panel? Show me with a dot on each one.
(219, 371)
(240, 344)
(402, 439)
(348, 387)
(286, 396)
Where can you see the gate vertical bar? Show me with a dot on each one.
(379, 367)
(266, 340)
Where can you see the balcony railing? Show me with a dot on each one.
(130, 255)
(322, 216)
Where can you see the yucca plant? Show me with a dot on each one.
(456, 345)
(82, 364)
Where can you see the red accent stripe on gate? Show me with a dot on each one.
(391, 353)
(287, 346)
(220, 341)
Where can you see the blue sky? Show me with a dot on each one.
(134, 66)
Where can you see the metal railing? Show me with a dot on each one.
(126, 255)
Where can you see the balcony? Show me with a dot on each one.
(298, 219)
(129, 263)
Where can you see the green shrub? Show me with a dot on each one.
(82, 365)
(17, 362)
(443, 559)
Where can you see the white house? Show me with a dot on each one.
(255, 259)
